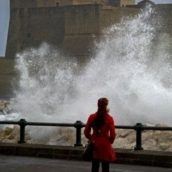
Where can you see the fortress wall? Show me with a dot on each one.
(84, 25)
(6, 66)
(51, 3)
(70, 28)
(81, 27)
(82, 19)
(73, 29)
(48, 3)
(33, 3)
(165, 13)
(13, 39)
(110, 16)
(23, 3)
(29, 27)
(163, 39)
(79, 2)
(7, 77)
(32, 26)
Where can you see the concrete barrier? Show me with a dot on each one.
(148, 158)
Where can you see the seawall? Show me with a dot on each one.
(71, 29)
(7, 77)
(150, 158)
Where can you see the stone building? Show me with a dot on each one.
(54, 3)
(69, 27)
(124, 3)
(59, 23)
(51, 3)
(64, 23)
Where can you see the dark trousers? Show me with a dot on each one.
(96, 165)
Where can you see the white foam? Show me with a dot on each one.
(130, 67)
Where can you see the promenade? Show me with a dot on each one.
(69, 158)
(32, 164)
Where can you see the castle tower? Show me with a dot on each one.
(50, 3)
(31, 23)
(61, 25)
(33, 3)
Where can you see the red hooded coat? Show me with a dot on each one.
(103, 150)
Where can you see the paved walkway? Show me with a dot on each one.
(30, 164)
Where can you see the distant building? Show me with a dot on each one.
(79, 2)
(121, 3)
(33, 3)
(54, 3)
(51, 3)
(114, 2)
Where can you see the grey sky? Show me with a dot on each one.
(4, 21)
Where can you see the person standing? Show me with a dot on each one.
(100, 130)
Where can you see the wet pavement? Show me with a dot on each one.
(32, 164)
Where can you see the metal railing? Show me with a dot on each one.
(78, 125)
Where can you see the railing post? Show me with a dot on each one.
(22, 123)
(78, 126)
(138, 129)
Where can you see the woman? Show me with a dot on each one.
(102, 137)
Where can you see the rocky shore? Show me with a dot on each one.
(4, 106)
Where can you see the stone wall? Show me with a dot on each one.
(33, 3)
(61, 27)
(112, 15)
(72, 29)
(81, 27)
(65, 25)
(55, 25)
(32, 26)
(7, 77)
(124, 3)
(165, 12)
(79, 2)
(51, 3)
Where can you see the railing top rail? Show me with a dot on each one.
(156, 128)
(9, 122)
(143, 127)
(124, 127)
(79, 123)
(51, 124)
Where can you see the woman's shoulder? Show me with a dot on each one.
(109, 116)
(93, 115)
(91, 118)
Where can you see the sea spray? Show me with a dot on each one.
(128, 68)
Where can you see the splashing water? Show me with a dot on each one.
(128, 68)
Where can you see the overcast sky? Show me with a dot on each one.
(4, 21)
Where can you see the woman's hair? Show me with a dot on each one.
(101, 112)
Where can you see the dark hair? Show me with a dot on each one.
(101, 112)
